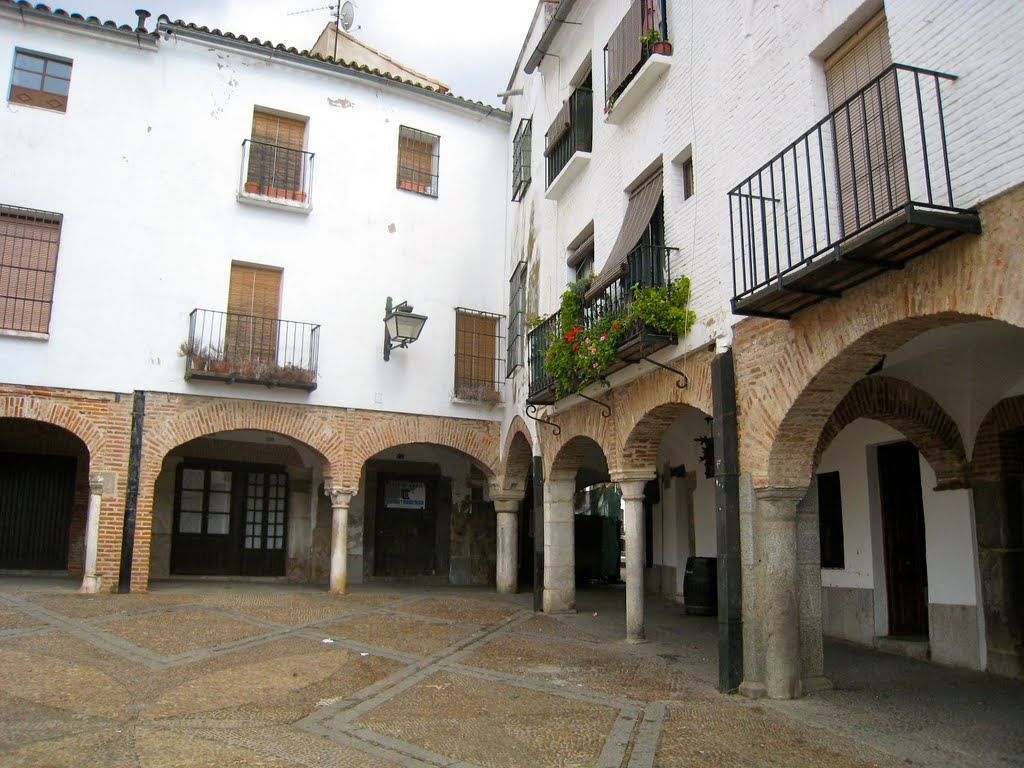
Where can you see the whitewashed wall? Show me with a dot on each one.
(145, 168)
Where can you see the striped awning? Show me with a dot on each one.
(558, 128)
(581, 253)
(642, 202)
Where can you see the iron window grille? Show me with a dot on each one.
(477, 362)
(40, 80)
(281, 173)
(516, 319)
(418, 156)
(29, 241)
(521, 159)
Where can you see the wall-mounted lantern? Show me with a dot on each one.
(401, 326)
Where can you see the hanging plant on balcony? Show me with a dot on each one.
(579, 355)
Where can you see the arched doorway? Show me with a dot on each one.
(44, 498)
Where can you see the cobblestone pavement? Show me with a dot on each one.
(254, 674)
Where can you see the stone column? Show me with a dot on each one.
(779, 613)
(632, 487)
(340, 500)
(507, 567)
(90, 581)
(559, 543)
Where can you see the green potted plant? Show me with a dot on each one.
(195, 358)
(652, 42)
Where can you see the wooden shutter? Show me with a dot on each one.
(276, 153)
(415, 162)
(868, 190)
(252, 325)
(28, 263)
(475, 347)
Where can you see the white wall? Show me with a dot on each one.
(145, 168)
(948, 518)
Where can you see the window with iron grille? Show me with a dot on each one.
(29, 241)
(278, 165)
(418, 154)
(477, 341)
(521, 159)
(40, 80)
(516, 319)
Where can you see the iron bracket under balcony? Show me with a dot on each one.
(861, 193)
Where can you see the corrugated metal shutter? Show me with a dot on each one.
(254, 298)
(642, 202)
(28, 263)
(868, 190)
(275, 157)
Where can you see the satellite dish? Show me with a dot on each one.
(346, 15)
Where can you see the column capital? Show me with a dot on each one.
(340, 497)
(778, 503)
(96, 483)
(632, 482)
(506, 494)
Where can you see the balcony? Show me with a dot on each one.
(245, 349)
(636, 56)
(276, 177)
(568, 142)
(647, 266)
(862, 192)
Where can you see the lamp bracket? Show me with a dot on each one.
(607, 412)
(531, 413)
(680, 384)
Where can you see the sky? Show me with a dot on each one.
(471, 45)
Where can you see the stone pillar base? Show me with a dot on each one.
(752, 690)
(91, 585)
(815, 683)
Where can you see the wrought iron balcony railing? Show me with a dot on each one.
(863, 191)
(572, 131)
(282, 174)
(625, 52)
(647, 266)
(232, 347)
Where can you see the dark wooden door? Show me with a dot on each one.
(406, 531)
(204, 539)
(36, 499)
(906, 574)
(264, 509)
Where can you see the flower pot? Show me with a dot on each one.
(252, 187)
(664, 47)
(219, 366)
(300, 197)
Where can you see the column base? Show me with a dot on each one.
(91, 585)
(752, 690)
(814, 684)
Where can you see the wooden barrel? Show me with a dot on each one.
(700, 586)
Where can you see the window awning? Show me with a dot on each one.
(642, 202)
(558, 128)
(581, 253)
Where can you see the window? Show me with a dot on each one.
(687, 178)
(252, 326)
(28, 263)
(476, 361)
(516, 319)
(830, 521)
(204, 502)
(581, 257)
(418, 154)
(278, 164)
(40, 80)
(521, 158)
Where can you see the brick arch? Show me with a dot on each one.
(642, 443)
(910, 411)
(580, 421)
(986, 461)
(228, 415)
(517, 456)
(570, 455)
(792, 374)
(477, 440)
(51, 412)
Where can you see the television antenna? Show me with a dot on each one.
(344, 15)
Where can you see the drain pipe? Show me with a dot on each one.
(561, 14)
(131, 496)
(538, 534)
(727, 523)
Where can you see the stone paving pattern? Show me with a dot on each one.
(205, 674)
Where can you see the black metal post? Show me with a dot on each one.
(131, 496)
(538, 534)
(727, 517)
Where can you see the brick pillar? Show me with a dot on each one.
(507, 565)
(632, 487)
(90, 581)
(340, 500)
(559, 543)
(779, 612)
